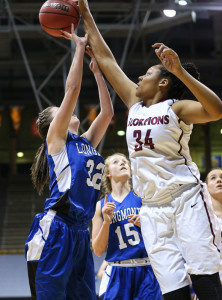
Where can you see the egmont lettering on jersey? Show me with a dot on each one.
(149, 121)
(122, 214)
(86, 149)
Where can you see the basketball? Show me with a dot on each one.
(57, 15)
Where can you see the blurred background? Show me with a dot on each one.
(33, 71)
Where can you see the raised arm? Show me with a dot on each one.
(99, 126)
(100, 227)
(58, 129)
(209, 107)
(124, 87)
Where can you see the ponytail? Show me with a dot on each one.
(40, 169)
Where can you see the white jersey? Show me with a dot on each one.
(220, 222)
(158, 149)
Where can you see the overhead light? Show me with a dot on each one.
(221, 131)
(182, 2)
(170, 13)
(194, 16)
(20, 154)
(121, 133)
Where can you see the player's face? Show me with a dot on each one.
(119, 168)
(74, 121)
(214, 184)
(148, 84)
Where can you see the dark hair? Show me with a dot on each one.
(39, 169)
(177, 88)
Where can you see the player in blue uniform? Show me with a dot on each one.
(116, 230)
(214, 186)
(60, 264)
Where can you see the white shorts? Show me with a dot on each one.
(182, 237)
(105, 280)
(220, 222)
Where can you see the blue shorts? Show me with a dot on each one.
(130, 283)
(60, 262)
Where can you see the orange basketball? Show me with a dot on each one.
(57, 15)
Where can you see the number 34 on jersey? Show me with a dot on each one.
(148, 141)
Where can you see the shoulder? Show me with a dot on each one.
(98, 214)
(179, 105)
(72, 136)
(188, 111)
(136, 105)
(98, 208)
(101, 201)
(84, 136)
(167, 103)
(134, 196)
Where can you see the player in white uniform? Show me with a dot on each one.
(179, 229)
(214, 185)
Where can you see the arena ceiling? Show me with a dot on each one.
(34, 65)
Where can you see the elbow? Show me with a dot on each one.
(71, 88)
(109, 114)
(109, 118)
(220, 114)
(98, 252)
(106, 115)
(217, 115)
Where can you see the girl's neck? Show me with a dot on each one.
(120, 190)
(159, 97)
(217, 206)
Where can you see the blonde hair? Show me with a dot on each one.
(106, 183)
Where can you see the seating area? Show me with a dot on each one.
(19, 204)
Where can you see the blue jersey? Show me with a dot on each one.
(60, 261)
(75, 179)
(125, 239)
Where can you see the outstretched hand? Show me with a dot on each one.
(107, 210)
(168, 58)
(93, 64)
(72, 36)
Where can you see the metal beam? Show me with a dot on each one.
(121, 30)
(117, 6)
(24, 56)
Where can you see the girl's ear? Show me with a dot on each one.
(108, 174)
(164, 82)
